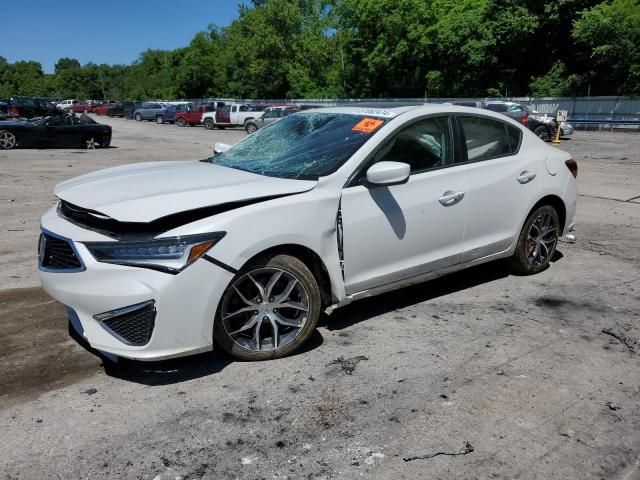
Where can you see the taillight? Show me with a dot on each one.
(572, 165)
(524, 120)
(15, 112)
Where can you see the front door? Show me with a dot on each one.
(396, 232)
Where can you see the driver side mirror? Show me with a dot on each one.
(388, 173)
(219, 148)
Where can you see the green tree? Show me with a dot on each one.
(610, 32)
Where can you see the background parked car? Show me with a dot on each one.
(31, 107)
(192, 114)
(103, 109)
(542, 125)
(149, 111)
(80, 107)
(121, 109)
(67, 104)
(270, 115)
(56, 131)
(233, 115)
(4, 110)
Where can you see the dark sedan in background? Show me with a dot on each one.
(55, 131)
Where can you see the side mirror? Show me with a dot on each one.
(388, 173)
(220, 148)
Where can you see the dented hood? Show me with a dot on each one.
(143, 192)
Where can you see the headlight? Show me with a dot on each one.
(171, 254)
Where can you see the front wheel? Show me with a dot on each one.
(208, 123)
(138, 117)
(250, 128)
(537, 241)
(269, 310)
(8, 140)
(181, 122)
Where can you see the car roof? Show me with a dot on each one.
(397, 111)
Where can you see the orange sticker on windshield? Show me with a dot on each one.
(367, 125)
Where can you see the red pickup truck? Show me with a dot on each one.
(192, 115)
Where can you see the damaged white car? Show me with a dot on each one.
(247, 248)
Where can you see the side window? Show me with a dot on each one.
(244, 108)
(424, 145)
(497, 107)
(515, 137)
(485, 138)
(515, 108)
(269, 114)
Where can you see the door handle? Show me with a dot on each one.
(526, 177)
(450, 198)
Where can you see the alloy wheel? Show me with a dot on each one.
(7, 140)
(542, 238)
(265, 309)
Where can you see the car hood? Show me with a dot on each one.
(144, 192)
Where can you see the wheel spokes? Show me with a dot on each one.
(273, 319)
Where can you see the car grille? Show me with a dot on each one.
(132, 325)
(57, 254)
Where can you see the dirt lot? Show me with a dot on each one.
(478, 375)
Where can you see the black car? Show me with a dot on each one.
(31, 107)
(56, 131)
(4, 110)
(123, 109)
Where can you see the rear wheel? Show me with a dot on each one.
(8, 140)
(181, 122)
(250, 127)
(159, 120)
(543, 133)
(138, 117)
(208, 123)
(537, 241)
(269, 310)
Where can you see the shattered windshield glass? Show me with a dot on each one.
(303, 146)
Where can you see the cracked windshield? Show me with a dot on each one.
(304, 146)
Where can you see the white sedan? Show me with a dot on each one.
(247, 248)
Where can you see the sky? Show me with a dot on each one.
(107, 31)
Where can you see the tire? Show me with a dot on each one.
(250, 128)
(543, 133)
(8, 140)
(208, 123)
(181, 122)
(537, 241)
(138, 117)
(235, 331)
(159, 120)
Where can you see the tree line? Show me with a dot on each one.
(373, 48)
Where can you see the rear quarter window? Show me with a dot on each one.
(485, 138)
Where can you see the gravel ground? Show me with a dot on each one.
(477, 375)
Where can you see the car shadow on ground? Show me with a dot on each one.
(172, 371)
(367, 308)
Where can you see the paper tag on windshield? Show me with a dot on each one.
(367, 125)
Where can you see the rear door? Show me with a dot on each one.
(502, 182)
(223, 115)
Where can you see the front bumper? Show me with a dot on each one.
(185, 304)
